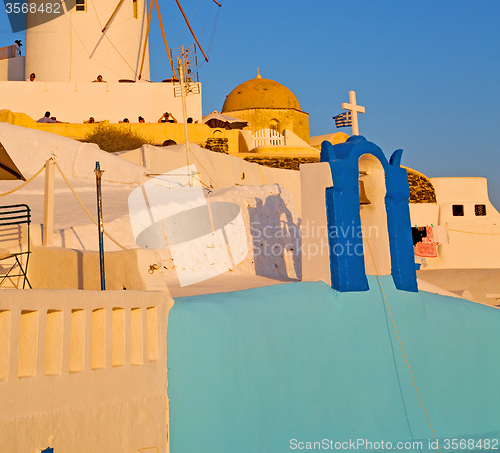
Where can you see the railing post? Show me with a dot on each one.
(48, 208)
(98, 173)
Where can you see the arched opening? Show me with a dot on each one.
(274, 124)
(374, 216)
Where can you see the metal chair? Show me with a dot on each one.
(12, 221)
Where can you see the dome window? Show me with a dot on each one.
(274, 124)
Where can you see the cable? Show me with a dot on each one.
(24, 183)
(399, 339)
(211, 179)
(206, 20)
(474, 232)
(85, 209)
(106, 36)
(212, 38)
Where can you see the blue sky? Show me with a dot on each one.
(426, 71)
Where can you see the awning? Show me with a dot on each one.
(219, 120)
(8, 169)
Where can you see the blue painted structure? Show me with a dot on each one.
(251, 370)
(342, 208)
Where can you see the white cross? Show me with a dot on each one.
(354, 111)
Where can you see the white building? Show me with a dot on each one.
(68, 53)
(467, 224)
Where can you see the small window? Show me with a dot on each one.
(458, 209)
(274, 124)
(480, 209)
(136, 13)
(81, 5)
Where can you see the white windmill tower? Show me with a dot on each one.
(91, 38)
(87, 39)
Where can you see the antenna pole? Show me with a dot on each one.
(190, 29)
(180, 63)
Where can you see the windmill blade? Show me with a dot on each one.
(146, 39)
(190, 29)
(164, 37)
(112, 15)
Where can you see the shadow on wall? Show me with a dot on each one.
(276, 239)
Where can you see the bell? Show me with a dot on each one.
(363, 199)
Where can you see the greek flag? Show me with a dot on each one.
(343, 120)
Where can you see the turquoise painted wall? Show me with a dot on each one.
(251, 370)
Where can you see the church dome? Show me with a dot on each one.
(260, 93)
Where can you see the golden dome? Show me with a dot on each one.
(260, 93)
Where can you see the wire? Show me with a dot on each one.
(24, 183)
(474, 232)
(211, 179)
(399, 340)
(212, 39)
(206, 20)
(107, 37)
(85, 209)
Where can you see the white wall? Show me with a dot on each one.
(75, 102)
(217, 169)
(374, 217)
(12, 69)
(83, 370)
(423, 214)
(474, 241)
(314, 179)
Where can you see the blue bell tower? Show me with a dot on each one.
(343, 212)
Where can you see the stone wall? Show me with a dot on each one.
(278, 119)
(421, 188)
(285, 162)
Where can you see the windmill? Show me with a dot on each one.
(99, 37)
(158, 12)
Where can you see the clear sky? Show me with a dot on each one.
(426, 71)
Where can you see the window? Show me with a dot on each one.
(274, 124)
(458, 209)
(81, 5)
(480, 209)
(136, 14)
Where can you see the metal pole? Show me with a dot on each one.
(180, 62)
(98, 174)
